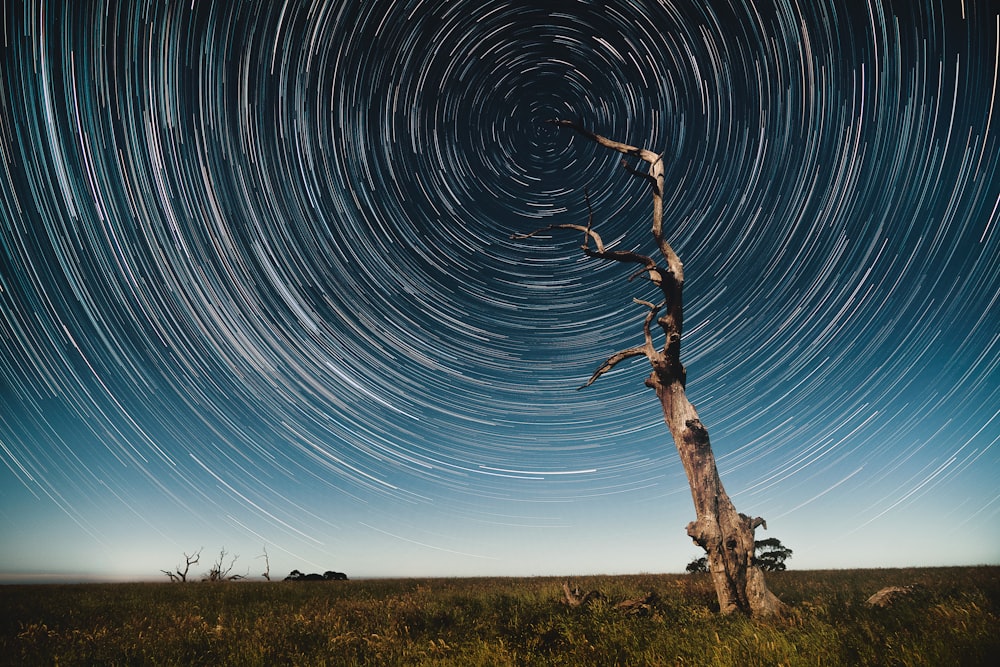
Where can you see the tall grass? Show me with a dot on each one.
(951, 620)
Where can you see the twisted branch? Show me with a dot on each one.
(624, 256)
(613, 360)
(642, 153)
(647, 349)
(669, 278)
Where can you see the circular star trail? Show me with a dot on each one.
(257, 264)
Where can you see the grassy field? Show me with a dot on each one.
(952, 619)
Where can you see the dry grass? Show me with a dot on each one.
(953, 620)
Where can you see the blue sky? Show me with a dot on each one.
(259, 289)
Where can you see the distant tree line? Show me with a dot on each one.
(222, 570)
(329, 575)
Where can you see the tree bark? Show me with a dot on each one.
(726, 535)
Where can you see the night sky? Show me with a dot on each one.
(258, 288)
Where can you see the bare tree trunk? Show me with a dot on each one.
(726, 535)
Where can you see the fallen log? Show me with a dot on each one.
(574, 597)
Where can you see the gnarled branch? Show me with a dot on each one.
(625, 256)
(642, 153)
(647, 325)
(671, 278)
(613, 360)
(645, 350)
(587, 231)
(646, 177)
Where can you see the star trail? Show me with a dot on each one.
(259, 288)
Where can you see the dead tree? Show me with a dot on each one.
(181, 575)
(222, 572)
(267, 564)
(726, 535)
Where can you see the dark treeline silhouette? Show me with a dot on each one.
(329, 575)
